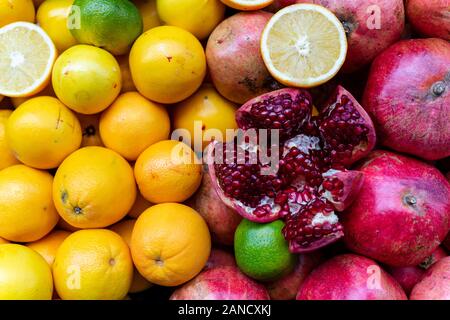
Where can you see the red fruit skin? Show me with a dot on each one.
(286, 288)
(221, 283)
(430, 18)
(435, 284)
(350, 277)
(401, 98)
(222, 220)
(234, 59)
(366, 39)
(408, 277)
(402, 212)
(220, 258)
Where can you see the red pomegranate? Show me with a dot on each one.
(222, 220)
(371, 26)
(310, 182)
(286, 288)
(401, 214)
(234, 59)
(221, 283)
(435, 285)
(350, 277)
(408, 277)
(220, 258)
(408, 97)
(430, 18)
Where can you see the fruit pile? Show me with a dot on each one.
(225, 149)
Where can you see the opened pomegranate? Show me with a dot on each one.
(310, 181)
(435, 284)
(408, 97)
(221, 283)
(430, 18)
(402, 213)
(286, 288)
(408, 277)
(222, 220)
(371, 26)
(234, 60)
(350, 277)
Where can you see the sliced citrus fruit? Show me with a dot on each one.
(27, 55)
(303, 45)
(247, 5)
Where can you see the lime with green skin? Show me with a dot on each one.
(109, 24)
(261, 251)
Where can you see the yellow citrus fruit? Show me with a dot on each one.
(205, 114)
(139, 206)
(168, 171)
(24, 274)
(27, 212)
(86, 79)
(19, 44)
(42, 132)
(304, 45)
(133, 123)
(247, 5)
(167, 64)
(198, 17)
(52, 17)
(94, 187)
(3, 241)
(170, 244)
(124, 229)
(92, 265)
(7, 157)
(150, 17)
(48, 245)
(47, 91)
(16, 10)
(127, 81)
(89, 127)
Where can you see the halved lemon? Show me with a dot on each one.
(304, 45)
(27, 55)
(247, 5)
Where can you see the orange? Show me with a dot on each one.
(124, 229)
(48, 245)
(89, 127)
(3, 241)
(133, 123)
(94, 188)
(42, 132)
(206, 114)
(7, 157)
(170, 244)
(168, 171)
(27, 212)
(24, 274)
(16, 10)
(127, 81)
(139, 206)
(92, 265)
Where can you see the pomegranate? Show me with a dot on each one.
(402, 213)
(430, 18)
(435, 284)
(408, 277)
(350, 277)
(221, 283)
(222, 220)
(234, 60)
(371, 26)
(286, 288)
(219, 258)
(408, 97)
(311, 181)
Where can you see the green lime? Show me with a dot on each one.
(110, 24)
(261, 250)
